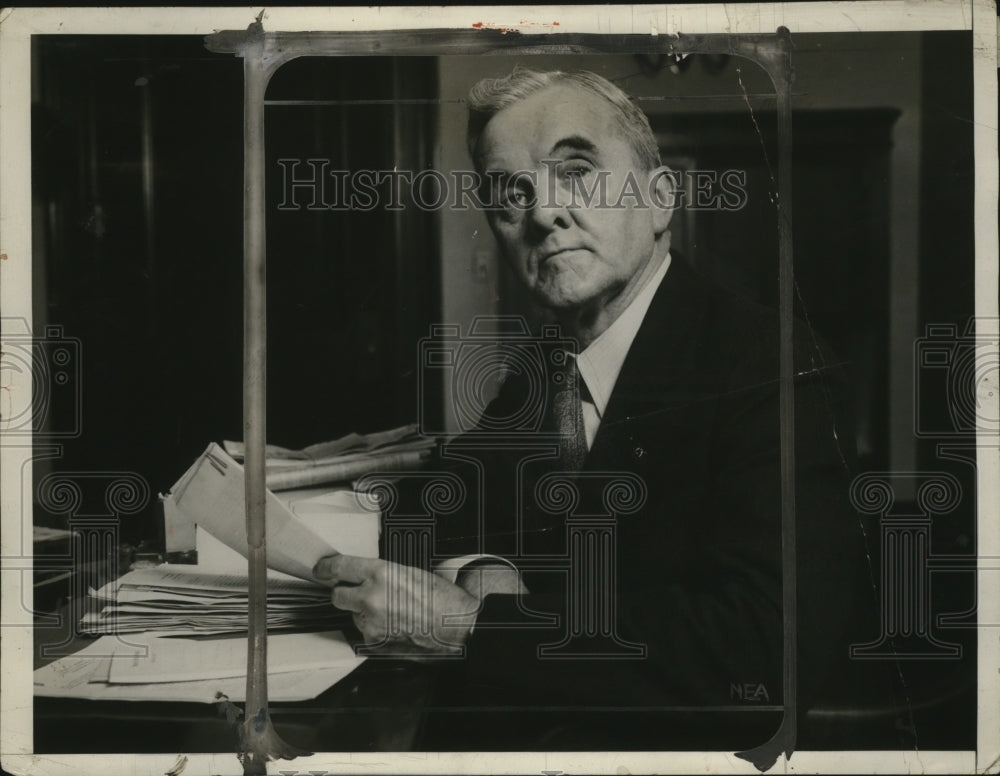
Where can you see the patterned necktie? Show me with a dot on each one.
(567, 411)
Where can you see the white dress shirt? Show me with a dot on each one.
(601, 361)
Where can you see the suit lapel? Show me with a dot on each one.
(656, 374)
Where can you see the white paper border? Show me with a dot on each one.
(16, 28)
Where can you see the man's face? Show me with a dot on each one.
(571, 255)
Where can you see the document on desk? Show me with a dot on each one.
(211, 494)
(177, 660)
(149, 668)
(192, 601)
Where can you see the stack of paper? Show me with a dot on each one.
(188, 600)
(212, 597)
(403, 437)
(342, 460)
(149, 668)
(160, 628)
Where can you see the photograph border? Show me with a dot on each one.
(17, 27)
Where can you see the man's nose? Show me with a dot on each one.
(550, 207)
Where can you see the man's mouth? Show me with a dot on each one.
(557, 252)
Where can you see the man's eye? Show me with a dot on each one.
(516, 197)
(575, 169)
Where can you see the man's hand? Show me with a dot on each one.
(402, 609)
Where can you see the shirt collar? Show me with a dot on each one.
(601, 361)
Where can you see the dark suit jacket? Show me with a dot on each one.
(697, 570)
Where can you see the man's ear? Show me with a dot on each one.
(663, 197)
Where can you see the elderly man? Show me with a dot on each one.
(678, 396)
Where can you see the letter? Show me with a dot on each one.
(340, 201)
(494, 177)
(632, 189)
(394, 177)
(676, 197)
(364, 195)
(417, 189)
(532, 190)
(733, 184)
(551, 198)
(579, 185)
(704, 180)
(467, 182)
(317, 184)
